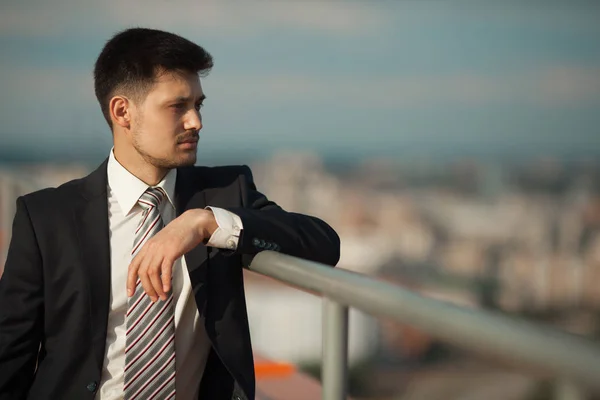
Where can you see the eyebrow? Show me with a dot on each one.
(182, 99)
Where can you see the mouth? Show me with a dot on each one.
(189, 143)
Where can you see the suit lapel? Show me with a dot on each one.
(188, 195)
(91, 216)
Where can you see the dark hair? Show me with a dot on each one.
(131, 59)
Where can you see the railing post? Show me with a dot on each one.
(334, 373)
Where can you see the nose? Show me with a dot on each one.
(193, 121)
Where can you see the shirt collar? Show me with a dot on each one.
(127, 188)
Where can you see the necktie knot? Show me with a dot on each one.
(151, 198)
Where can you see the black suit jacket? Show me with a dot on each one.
(55, 290)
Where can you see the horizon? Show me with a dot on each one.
(15, 157)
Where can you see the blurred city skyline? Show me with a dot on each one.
(346, 80)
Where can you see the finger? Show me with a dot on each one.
(132, 274)
(147, 284)
(154, 275)
(167, 273)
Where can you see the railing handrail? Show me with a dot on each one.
(508, 338)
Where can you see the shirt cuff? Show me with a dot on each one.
(227, 234)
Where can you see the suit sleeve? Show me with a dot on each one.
(266, 226)
(21, 308)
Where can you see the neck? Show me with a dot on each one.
(133, 162)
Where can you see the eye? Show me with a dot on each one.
(178, 106)
(199, 106)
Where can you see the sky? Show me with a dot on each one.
(353, 79)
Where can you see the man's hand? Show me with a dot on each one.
(154, 262)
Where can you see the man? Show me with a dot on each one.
(127, 284)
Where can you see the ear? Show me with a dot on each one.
(120, 111)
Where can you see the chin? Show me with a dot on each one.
(187, 160)
(180, 160)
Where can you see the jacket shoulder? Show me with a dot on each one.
(224, 175)
(53, 196)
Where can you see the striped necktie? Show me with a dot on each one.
(150, 337)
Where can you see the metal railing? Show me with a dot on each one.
(571, 358)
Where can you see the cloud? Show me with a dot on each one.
(18, 20)
(549, 87)
(41, 103)
(224, 18)
(554, 86)
(568, 84)
(343, 18)
(46, 83)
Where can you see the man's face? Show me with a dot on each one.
(166, 124)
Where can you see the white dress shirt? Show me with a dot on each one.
(191, 344)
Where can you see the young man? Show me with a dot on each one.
(127, 284)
